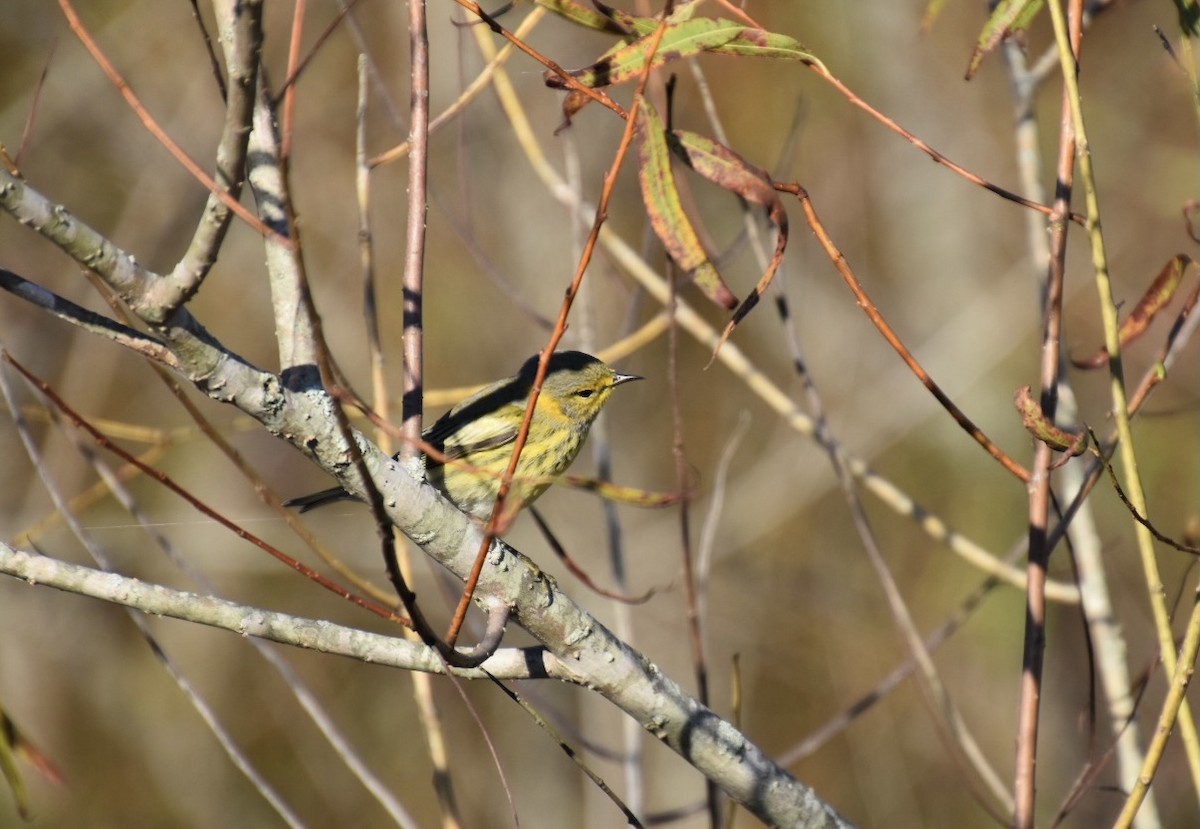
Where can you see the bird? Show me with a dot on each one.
(472, 443)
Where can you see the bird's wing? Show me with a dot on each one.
(458, 438)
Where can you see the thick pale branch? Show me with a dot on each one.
(241, 35)
(312, 634)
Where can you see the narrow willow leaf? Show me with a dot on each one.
(724, 167)
(665, 210)
(1009, 17)
(645, 25)
(1189, 17)
(1161, 291)
(757, 43)
(629, 22)
(728, 170)
(626, 494)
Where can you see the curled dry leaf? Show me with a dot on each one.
(729, 171)
(1043, 429)
(1158, 295)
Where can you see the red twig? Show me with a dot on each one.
(289, 93)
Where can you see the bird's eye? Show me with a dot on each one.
(585, 393)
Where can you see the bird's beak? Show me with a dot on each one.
(618, 379)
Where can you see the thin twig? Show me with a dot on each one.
(864, 302)
(496, 523)
(157, 131)
(412, 337)
(238, 757)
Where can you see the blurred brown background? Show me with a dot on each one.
(790, 591)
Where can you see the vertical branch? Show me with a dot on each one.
(1099, 616)
(1120, 401)
(366, 254)
(427, 710)
(691, 604)
(414, 258)
(1034, 648)
(1173, 706)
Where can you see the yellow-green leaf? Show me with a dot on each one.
(1009, 17)
(757, 43)
(645, 25)
(665, 210)
(627, 61)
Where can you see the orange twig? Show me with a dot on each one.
(494, 525)
(864, 301)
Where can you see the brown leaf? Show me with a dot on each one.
(1043, 429)
(725, 168)
(1158, 295)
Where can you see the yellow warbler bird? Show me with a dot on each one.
(475, 438)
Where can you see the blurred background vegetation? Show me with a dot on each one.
(790, 592)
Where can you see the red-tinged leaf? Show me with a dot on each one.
(757, 43)
(725, 168)
(1161, 291)
(626, 62)
(1009, 17)
(1043, 429)
(665, 210)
